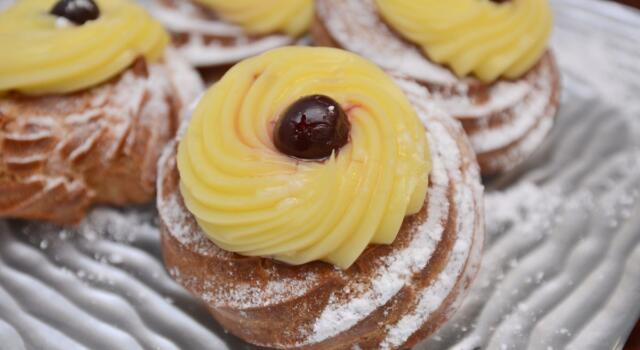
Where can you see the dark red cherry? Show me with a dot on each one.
(312, 128)
(76, 11)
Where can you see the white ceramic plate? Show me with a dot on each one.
(561, 267)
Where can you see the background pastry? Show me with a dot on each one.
(484, 62)
(394, 214)
(89, 94)
(221, 32)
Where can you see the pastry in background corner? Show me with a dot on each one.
(312, 204)
(222, 32)
(485, 62)
(89, 95)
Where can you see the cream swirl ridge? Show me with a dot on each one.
(253, 200)
(483, 37)
(292, 17)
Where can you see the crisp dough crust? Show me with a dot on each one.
(392, 297)
(207, 41)
(59, 154)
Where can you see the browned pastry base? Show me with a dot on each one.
(391, 298)
(205, 40)
(59, 154)
(505, 121)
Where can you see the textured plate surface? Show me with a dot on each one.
(561, 267)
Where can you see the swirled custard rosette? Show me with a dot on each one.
(252, 199)
(220, 32)
(485, 62)
(89, 94)
(395, 262)
(257, 17)
(43, 53)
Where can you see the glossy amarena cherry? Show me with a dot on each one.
(76, 11)
(312, 128)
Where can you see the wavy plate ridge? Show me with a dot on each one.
(561, 267)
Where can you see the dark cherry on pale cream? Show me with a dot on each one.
(312, 128)
(76, 11)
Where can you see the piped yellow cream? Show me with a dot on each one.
(480, 37)
(251, 199)
(260, 17)
(41, 53)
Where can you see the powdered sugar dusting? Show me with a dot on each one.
(527, 112)
(184, 229)
(63, 141)
(200, 53)
(245, 296)
(172, 211)
(468, 199)
(526, 146)
(179, 219)
(188, 84)
(211, 41)
(357, 27)
(502, 95)
(396, 270)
